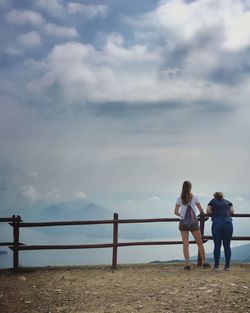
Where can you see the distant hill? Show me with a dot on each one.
(74, 210)
(239, 254)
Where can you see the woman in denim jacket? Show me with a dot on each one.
(222, 228)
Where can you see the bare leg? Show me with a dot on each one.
(184, 236)
(198, 239)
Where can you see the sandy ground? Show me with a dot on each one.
(131, 288)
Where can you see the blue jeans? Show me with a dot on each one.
(222, 230)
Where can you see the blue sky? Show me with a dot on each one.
(120, 101)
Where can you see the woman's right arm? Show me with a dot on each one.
(177, 210)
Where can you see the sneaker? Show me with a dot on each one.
(216, 268)
(187, 268)
(226, 268)
(206, 265)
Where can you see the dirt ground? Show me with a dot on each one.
(130, 288)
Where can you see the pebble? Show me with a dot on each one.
(27, 302)
(22, 278)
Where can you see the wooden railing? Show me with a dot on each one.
(17, 223)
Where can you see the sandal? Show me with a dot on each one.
(187, 268)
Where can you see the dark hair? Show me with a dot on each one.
(218, 195)
(186, 194)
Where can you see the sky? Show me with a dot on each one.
(121, 101)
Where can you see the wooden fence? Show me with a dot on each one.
(16, 222)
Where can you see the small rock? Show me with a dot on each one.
(214, 285)
(139, 307)
(22, 278)
(245, 287)
(27, 302)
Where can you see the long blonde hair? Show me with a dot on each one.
(186, 194)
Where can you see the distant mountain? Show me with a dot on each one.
(73, 210)
(240, 254)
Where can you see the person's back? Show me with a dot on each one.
(220, 208)
(222, 227)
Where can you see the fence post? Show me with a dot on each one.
(16, 221)
(115, 241)
(202, 227)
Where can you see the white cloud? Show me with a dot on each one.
(155, 198)
(181, 21)
(14, 52)
(53, 195)
(30, 193)
(115, 50)
(21, 17)
(116, 73)
(53, 7)
(30, 40)
(89, 10)
(60, 31)
(80, 194)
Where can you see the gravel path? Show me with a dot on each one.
(131, 288)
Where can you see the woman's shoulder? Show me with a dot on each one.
(228, 202)
(178, 200)
(196, 198)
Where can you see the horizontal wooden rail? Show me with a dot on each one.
(6, 219)
(74, 223)
(240, 215)
(239, 238)
(100, 245)
(151, 243)
(63, 247)
(232, 215)
(2, 244)
(63, 223)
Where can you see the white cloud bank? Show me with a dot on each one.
(195, 38)
(88, 10)
(181, 21)
(30, 40)
(21, 17)
(60, 31)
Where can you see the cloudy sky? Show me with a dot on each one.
(120, 101)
